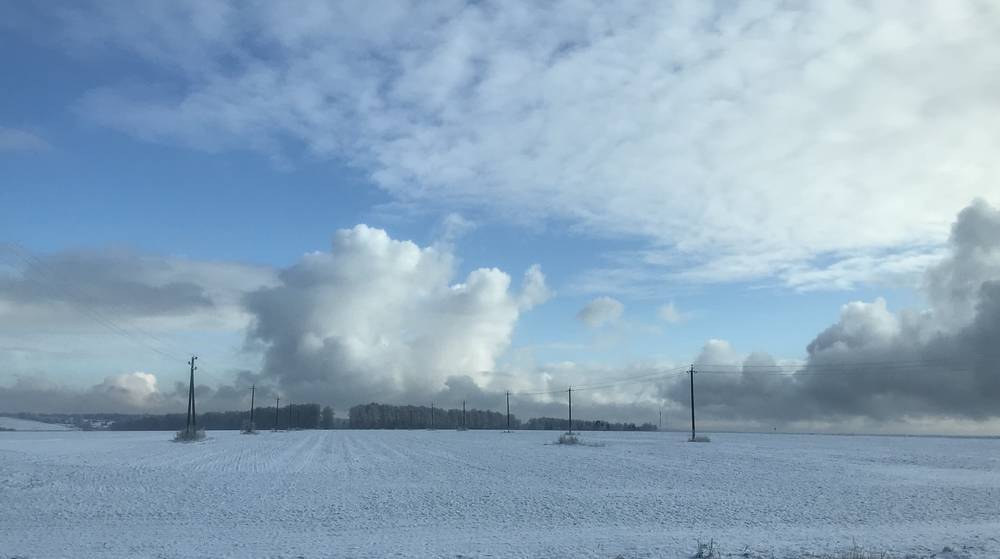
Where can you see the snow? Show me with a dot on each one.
(29, 425)
(486, 493)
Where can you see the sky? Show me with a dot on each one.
(415, 202)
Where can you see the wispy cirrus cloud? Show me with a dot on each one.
(15, 140)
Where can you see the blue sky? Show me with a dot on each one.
(755, 179)
(94, 187)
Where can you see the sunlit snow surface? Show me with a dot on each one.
(485, 493)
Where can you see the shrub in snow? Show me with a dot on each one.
(858, 552)
(567, 438)
(700, 439)
(189, 435)
(249, 428)
(707, 551)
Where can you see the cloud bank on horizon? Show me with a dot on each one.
(942, 362)
(381, 319)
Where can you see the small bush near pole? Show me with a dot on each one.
(567, 438)
(189, 435)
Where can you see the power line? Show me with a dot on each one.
(89, 307)
(40, 264)
(830, 365)
(647, 377)
(642, 379)
(539, 393)
(846, 372)
(855, 368)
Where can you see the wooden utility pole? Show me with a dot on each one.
(570, 392)
(508, 410)
(691, 372)
(192, 420)
(277, 400)
(253, 390)
(432, 415)
(289, 417)
(463, 415)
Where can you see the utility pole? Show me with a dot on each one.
(192, 420)
(659, 426)
(289, 417)
(253, 390)
(432, 415)
(508, 411)
(691, 372)
(277, 400)
(570, 392)
(463, 414)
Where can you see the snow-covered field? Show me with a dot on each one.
(479, 494)
(29, 425)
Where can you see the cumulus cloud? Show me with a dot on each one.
(601, 311)
(377, 318)
(687, 126)
(879, 365)
(373, 318)
(954, 287)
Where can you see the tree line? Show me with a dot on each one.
(562, 424)
(295, 416)
(387, 416)
(314, 416)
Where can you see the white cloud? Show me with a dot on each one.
(533, 290)
(453, 227)
(717, 352)
(601, 311)
(75, 291)
(12, 139)
(80, 313)
(671, 314)
(746, 140)
(376, 318)
(134, 390)
(126, 392)
(880, 366)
